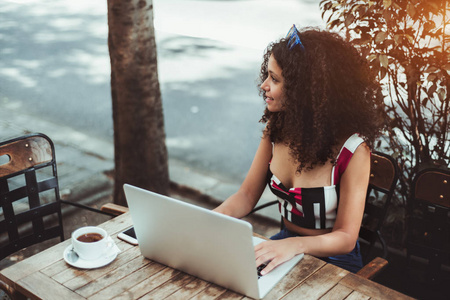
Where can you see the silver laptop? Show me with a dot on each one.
(200, 242)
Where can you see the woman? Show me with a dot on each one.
(322, 115)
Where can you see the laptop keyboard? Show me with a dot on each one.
(259, 269)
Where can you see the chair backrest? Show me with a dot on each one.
(432, 185)
(382, 183)
(29, 193)
(429, 219)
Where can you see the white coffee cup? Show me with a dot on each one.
(90, 242)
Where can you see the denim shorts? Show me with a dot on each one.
(351, 261)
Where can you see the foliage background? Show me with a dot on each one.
(407, 44)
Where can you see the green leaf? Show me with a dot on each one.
(396, 6)
(431, 77)
(383, 72)
(387, 3)
(410, 38)
(384, 60)
(381, 36)
(355, 8)
(411, 10)
(428, 26)
(446, 68)
(349, 19)
(366, 38)
(441, 94)
(326, 5)
(431, 69)
(432, 89)
(334, 23)
(371, 57)
(433, 7)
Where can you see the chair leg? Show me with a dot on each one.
(383, 244)
(434, 268)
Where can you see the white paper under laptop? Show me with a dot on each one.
(200, 242)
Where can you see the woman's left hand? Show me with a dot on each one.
(275, 252)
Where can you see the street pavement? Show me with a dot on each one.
(55, 76)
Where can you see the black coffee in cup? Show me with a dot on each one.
(90, 237)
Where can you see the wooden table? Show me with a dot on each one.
(47, 276)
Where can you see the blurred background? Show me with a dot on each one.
(54, 65)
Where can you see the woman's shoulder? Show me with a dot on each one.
(354, 149)
(353, 142)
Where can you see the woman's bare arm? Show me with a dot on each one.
(244, 200)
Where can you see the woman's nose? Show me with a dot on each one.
(264, 85)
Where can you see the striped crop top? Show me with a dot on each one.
(314, 208)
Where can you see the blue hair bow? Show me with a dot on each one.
(293, 38)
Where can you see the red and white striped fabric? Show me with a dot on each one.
(314, 208)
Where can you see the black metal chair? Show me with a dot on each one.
(25, 210)
(429, 222)
(383, 180)
(29, 195)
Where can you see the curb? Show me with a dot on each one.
(84, 161)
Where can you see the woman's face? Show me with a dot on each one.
(273, 86)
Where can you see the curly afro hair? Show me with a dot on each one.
(330, 92)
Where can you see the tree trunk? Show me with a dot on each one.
(139, 137)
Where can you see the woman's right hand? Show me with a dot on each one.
(277, 252)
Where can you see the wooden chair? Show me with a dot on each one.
(383, 180)
(382, 183)
(429, 221)
(29, 195)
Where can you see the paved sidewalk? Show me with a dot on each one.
(84, 162)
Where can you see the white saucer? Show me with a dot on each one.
(91, 264)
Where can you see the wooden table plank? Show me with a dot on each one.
(112, 291)
(90, 275)
(318, 284)
(33, 264)
(55, 268)
(303, 270)
(190, 290)
(212, 291)
(112, 277)
(370, 288)
(169, 287)
(337, 292)
(45, 288)
(68, 274)
(230, 295)
(149, 284)
(357, 296)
